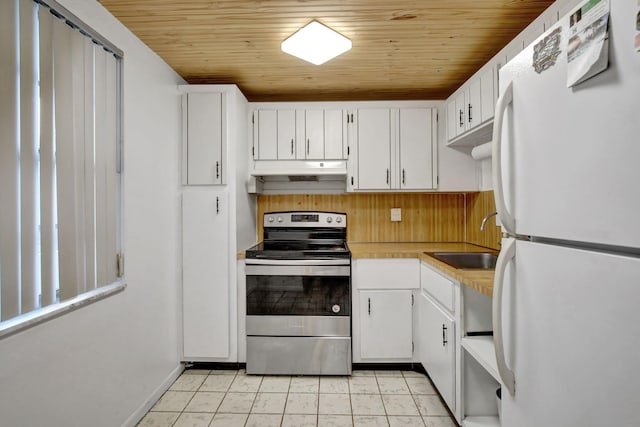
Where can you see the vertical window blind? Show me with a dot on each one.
(59, 157)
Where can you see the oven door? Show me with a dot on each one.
(298, 300)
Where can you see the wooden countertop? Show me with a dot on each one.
(479, 280)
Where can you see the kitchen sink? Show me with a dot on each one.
(467, 260)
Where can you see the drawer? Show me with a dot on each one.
(438, 286)
(386, 273)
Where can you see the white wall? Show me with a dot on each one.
(100, 365)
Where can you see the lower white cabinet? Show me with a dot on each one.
(386, 324)
(440, 320)
(437, 347)
(205, 274)
(383, 310)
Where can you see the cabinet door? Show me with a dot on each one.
(205, 274)
(386, 324)
(314, 126)
(487, 94)
(374, 149)
(437, 347)
(416, 149)
(286, 134)
(333, 137)
(473, 105)
(461, 115)
(452, 119)
(204, 139)
(267, 135)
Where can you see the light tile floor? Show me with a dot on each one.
(230, 398)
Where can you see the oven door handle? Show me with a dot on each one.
(296, 262)
(298, 270)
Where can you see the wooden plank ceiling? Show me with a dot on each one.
(402, 49)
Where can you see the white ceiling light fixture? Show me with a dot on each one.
(316, 43)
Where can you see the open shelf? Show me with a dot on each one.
(485, 421)
(479, 135)
(482, 349)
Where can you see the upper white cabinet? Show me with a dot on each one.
(470, 109)
(202, 151)
(374, 149)
(472, 105)
(334, 135)
(416, 147)
(283, 133)
(395, 149)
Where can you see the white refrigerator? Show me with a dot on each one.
(566, 169)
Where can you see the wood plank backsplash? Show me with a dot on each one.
(426, 217)
(478, 206)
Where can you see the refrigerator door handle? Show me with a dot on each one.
(507, 220)
(507, 253)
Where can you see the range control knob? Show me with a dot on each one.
(279, 219)
(329, 219)
(335, 308)
(339, 219)
(270, 219)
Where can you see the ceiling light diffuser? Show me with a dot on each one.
(316, 43)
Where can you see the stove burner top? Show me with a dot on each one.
(302, 236)
(295, 249)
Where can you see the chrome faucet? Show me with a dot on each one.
(486, 218)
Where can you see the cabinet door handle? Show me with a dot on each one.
(387, 176)
(461, 120)
(403, 176)
(307, 146)
(469, 113)
(217, 205)
(217, 170)
(292, 146)
(369, 306)
(351, 180)
(444, 335)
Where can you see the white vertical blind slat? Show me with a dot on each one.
(29, 259)
(48, 259)
(9, 155)
(70, 259)
(89, 166)
(113, 182)
(101, 166)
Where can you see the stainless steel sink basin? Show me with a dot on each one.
(467, 260)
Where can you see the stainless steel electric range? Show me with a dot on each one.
(299, 296)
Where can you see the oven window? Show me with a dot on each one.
(298, 295)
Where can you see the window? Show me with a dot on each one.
(59, 159)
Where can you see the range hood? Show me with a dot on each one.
(299, 176)
(300, 168)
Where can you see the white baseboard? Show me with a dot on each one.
(157, 393)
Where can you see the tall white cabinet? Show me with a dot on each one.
(216, 219)
(205, 273)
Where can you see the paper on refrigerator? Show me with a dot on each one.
(588, 41)
(637, 38)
